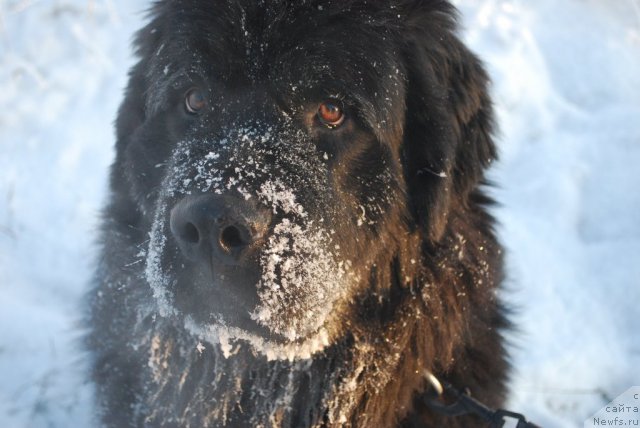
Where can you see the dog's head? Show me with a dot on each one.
(277, 151)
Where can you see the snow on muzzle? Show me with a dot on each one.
(302, 273)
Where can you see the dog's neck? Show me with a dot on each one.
(245, 389)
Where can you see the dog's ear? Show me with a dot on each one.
(131, 114)
(448, 129)
(130, 118)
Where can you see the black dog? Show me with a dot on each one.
(296, 232)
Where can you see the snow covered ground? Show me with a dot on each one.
(567, 89)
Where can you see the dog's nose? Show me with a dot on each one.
(222, 227)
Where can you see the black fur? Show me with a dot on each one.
(396, 189)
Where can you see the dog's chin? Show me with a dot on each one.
(228, 303)
(232, 338)
(228, 296)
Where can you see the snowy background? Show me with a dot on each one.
(567, 89)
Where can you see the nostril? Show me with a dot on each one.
(232, 237)
(217, 229)
(190, 233)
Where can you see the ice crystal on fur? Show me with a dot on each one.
(154, 274)
(297, 271)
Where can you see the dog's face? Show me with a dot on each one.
(265, 148)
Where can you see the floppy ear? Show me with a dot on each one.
(130, 117)
(131, 114)
(448, 127)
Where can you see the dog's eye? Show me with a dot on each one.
(330, 114)
(194, 100)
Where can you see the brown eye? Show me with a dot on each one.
(194, 100)
(330, 114)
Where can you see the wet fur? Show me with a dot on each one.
(428, 301)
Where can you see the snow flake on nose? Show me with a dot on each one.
(275, 193)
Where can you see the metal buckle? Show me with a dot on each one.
(464, 404)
